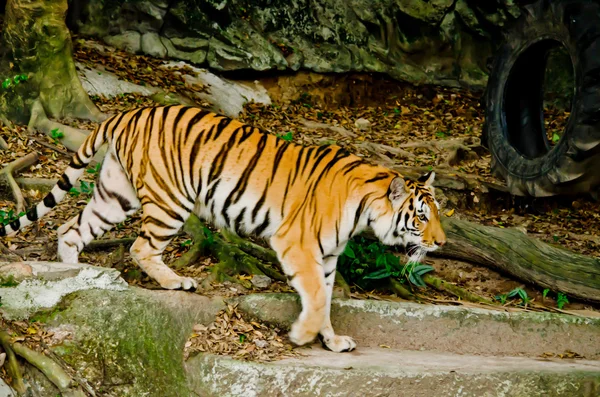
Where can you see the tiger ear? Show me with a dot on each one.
(428, 178)
(398, 191)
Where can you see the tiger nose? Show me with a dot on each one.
(440, 242)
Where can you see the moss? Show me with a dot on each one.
(127, 341)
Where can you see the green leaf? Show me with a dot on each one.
(242, 338)
(378, 275)
(545, 293)
(415, 279)
(555, 137)
(349, 252)
(422, 269)
(514, 292)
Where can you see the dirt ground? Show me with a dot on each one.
(397, 115)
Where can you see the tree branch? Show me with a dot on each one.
(7, 174)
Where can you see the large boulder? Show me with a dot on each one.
(445, 42)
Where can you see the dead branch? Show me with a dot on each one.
(6, 121)
(3, 144)
(313, 125)
(7, 177)
(48, 145)
(41, 184)
(378, 148)
(98, 245)
(443, 144)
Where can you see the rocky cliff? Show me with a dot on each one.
(445, 42)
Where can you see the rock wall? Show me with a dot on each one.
(446, 42)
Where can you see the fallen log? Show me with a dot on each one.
(528, 259)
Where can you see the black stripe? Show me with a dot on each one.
(351, 166)
(242, 183)
(76, 162)
(260, 203)
(2, 230)
(320, 158)
(248, 131)
(378, 177)
(157, 222)
(278, 156)
(222, 125)
(166, 190)
(16, 224)
(238, 220)
(359, 210)
(329, 273)
(49, 200)
(101, 217)
(32, 214)
(261, 228)
(64, 183)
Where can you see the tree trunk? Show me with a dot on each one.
(36, 42)
(528, 259)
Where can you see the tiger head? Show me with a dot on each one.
(409, 215)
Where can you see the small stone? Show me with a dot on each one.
(261, 344)
(362, 124)
(152, 45)
(261, 281)
(129, 41)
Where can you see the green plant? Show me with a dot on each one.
(365, 262)
(93, 170)
(84, 188)
(545, 293)
(8, 216)
(515, 293)
(561, 300)
(11, 83)
(56, 134)
(8, 281)
(288, 136)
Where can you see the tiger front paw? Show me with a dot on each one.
(338, 343)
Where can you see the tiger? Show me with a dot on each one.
(305, 201)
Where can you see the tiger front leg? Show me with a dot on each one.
(331, 341)
(306, 277)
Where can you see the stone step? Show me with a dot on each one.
(453, 329)
(387, 372)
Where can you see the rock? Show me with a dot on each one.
(52, 281)
(129, 41)
(226, 97)
(362, 124)
(152, 45)
(6, 390)
(443, 42)
(261, 281)
(101, 82)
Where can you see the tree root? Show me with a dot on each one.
(71, 138)
(13, 368)
(53, 371)
(7, 177)
(313, 125)
(49, 145)
(399, 289)
(444, 286)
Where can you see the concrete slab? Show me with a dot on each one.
(455, 329)
(387, 372)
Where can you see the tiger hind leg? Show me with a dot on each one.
(158, 229)
(112, 202)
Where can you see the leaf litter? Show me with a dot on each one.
(407, 115)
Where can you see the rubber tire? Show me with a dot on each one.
(573, 164)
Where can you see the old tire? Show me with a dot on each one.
(514, 128)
